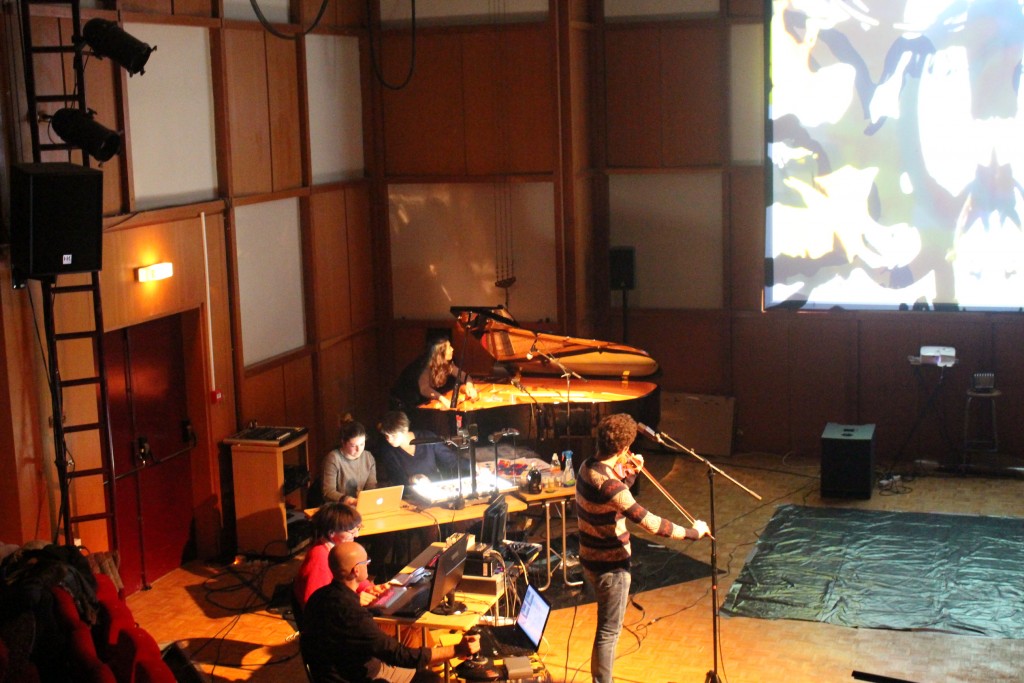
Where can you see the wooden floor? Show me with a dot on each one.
(671, 638)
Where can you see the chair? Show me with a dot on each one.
(978, 439)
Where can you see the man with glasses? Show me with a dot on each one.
(341, 643)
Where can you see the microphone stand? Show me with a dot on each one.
(568, 375)
(666, 440)
(536, 413)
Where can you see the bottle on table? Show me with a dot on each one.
(568, 473)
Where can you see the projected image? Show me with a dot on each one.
(897, 152)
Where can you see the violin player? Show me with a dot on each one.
(603, 504)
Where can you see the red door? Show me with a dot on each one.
(152, 444)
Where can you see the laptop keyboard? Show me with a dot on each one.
(502, 643)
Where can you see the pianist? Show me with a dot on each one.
(341, 642)
(428, 378)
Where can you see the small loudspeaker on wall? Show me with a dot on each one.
(56, 219)
(622, 265)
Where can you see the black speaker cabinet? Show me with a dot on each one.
(622, 266)
(56, 219)
(847, 461)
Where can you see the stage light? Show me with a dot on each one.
(77, 128)
(107, 39)
(156, 271)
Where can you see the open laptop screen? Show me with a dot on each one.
(533, 616)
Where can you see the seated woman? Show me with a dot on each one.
(333, 523)
(403, 462)
(349, 468)
(429, 378)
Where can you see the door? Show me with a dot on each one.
(152, 443)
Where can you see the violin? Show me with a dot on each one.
(629, 464)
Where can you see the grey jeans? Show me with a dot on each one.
(611, 590)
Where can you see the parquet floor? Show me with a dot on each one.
(668, 635)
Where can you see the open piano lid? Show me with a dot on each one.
(497, 340)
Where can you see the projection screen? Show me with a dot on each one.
(897, 154)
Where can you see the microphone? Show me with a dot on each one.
(429, 440)
(648, 431)
(533, 349)
(499, 435)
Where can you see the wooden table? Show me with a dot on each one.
(410, 517)
(557, 496)
(479, 594)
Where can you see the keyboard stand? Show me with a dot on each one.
(930, 406)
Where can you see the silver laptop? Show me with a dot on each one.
(382, 501)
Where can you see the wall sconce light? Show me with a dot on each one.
(157, 271)
(107, 39)
(79, 129)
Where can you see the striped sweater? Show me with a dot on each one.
(603, 504)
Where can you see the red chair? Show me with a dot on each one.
(84, 665)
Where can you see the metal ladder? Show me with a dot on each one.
(67, 472)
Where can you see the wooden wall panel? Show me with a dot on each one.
(263, 398)
(692, 347)
(332, 293)
(286, 129)
(362, 279)
(281, 395)
(693, 116)
(127, 302)
(337, 393)
(194, 8)
(147, 6)
(633, 105)
(300, 398)
(760, 370)
(531, 113)
(752, 9)
(822, 363)
(424, 128)
(887, 385)
(339, 13)
(581, 92)
(371, 394)
(487, 114)
(27, 459)
(1008, 366)
(248, 110)
(746, 250)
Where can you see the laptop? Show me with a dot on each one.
(523, 637)
(382, 501)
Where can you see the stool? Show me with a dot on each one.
(978, 441)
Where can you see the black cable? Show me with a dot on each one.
(376, 49)
(284, 36)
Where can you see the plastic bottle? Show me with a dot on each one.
(568, 474)
(556, 465)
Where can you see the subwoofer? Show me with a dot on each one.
(56, 219)
(847, 461)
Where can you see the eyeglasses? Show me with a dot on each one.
(364, 562)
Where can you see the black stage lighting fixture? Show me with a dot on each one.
(107, 39)
(78, 128)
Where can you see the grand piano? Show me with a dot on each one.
(544, 386)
